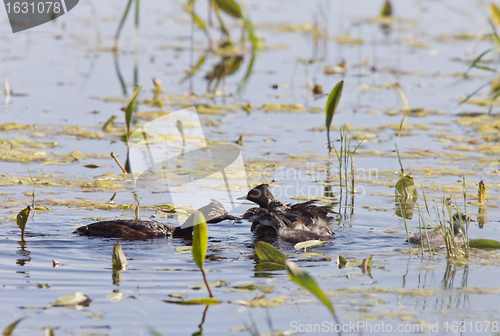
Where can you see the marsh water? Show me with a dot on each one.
(66, 83)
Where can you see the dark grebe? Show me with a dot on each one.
(294, 223)
(214, 212)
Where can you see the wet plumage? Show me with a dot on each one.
(293, 223)
(214, 212)
(434, 238)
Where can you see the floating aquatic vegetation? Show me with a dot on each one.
(80, 132)
(200, 301)
(14, 126)
(260, 302)
(309, 243)
(217, 283)
(484, 244)
(346, 39)
(74, 301)
(275, 107)
(285, 27)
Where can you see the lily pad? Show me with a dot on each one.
(309, 243)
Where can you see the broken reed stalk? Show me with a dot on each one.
(113, 155)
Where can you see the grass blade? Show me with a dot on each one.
(230, 7)
(130, 109)
(120, 26)
(200, 239)
(190, 10)
(10, 328)
(333, 101)
(200, 243)
(478, 59)
(268, 253)
(331, 106)
(303, 279)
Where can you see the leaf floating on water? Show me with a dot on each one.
(268, 253)
(482, 192)
(218, 283)
(10, 328)
(42, 208)
(95, 316)
(260, 302)
(303, 279)
(130, 109)
(179, 296)
(91, 166)
(309, 243)
(119, 261)
(484, 243)
(202, 301)
(75, 299)
(115, 296)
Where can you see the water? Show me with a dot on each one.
(66, 74)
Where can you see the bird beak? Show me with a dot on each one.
(242, 197)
